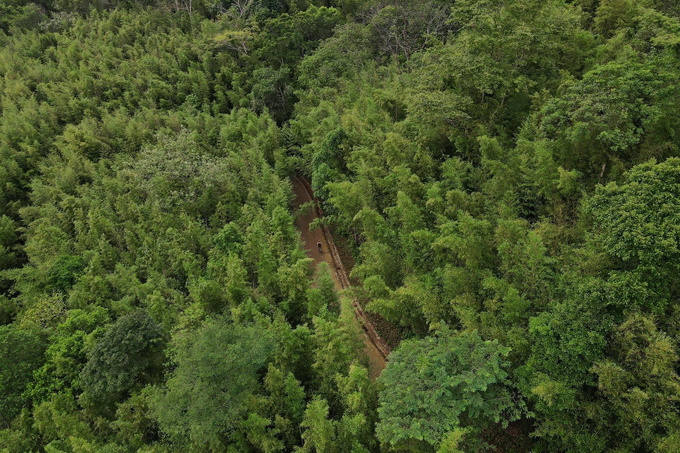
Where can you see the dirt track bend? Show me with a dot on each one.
(376, 349)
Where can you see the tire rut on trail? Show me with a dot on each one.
(376, 349)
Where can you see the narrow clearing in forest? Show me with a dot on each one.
(376, 349)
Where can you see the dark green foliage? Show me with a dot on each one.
(21, 353)
(20, 15)
(639, 220)
(10, 249)
(272, 92)
(637, 227)
(328, 164)
(621, 112)
(125, 357)
(64, 273)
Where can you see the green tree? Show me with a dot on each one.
(402, 27)
(353, 432)
(127, 356)
(21, 354)
(215, 375)
(620, 111)
(638, 218)
(640, 387)
(434, 385)
(337, 345)
(567, 341)
(67, 354)
(64, 273)
(322, 295)
(320, 434)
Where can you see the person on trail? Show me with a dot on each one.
(318, 245)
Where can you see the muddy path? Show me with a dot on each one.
(376, 349)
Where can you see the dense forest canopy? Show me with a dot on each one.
(504, 174)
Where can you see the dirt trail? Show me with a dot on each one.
(376, 349)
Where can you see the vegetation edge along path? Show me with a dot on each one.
(371, 333)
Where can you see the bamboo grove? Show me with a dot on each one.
(504, 174)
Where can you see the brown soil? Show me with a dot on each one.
(376, 349)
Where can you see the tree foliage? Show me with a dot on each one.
(216, 372)
(442, 383)
(22, 353)
(501, 179)
(122, 358)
